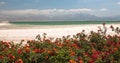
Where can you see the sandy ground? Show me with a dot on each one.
(17, 35)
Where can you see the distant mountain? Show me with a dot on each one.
(62, 17)
(112, 18)
(78, 17)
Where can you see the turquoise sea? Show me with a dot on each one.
(49, 24)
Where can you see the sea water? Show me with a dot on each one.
(49, 24)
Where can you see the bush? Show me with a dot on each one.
(82, 48)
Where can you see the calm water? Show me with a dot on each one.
(65, 22)
(51, 24)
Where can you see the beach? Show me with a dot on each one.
(56, 31)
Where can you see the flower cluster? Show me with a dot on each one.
(81, 48)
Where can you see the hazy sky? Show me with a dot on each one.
(57, 7)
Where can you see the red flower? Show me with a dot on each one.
(91, 61)
(19, 51)
(72, 53)
(86, 54)
(78, 58)
(11, 56)
(81, 61)
(51, 52)
(72, 61)
(1, 57)
(115, 49)
(27, 49)
(38, 50)
(94, 55)
(67, 41)
(54, 49)
(94, 44)
(19, 61)
(75, 45)
(6, 44)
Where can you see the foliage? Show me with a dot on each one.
(81, 48)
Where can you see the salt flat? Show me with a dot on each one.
(17, 35)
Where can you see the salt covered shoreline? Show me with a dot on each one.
(16, 35)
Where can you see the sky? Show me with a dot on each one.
(17, 8)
